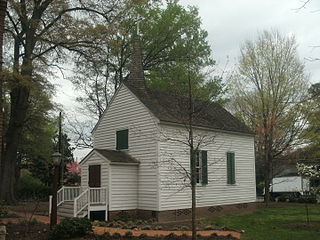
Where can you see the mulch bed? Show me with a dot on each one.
(39, 231)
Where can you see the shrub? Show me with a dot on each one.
(3, 210)
(171, 236)
(116, 235)
(209, 227)
(106, 235)
(31, 222)
(30, 187)
(297, 199)
(214, 235)
(71, 227)
(143, 236)
(184, 236)
(128, 234)
(147, 227)
(158, 227)
(184, 228)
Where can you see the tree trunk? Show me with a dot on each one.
(267, 177)
(192, 162)
(193, 190)
(19, 105)
(3, 7)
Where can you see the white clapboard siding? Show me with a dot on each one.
(127, 112)
(124, 187)
(95, 159)
(174, 194)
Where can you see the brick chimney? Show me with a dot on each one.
(136, 77)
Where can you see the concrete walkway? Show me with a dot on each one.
(135, 232)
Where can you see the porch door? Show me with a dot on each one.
(94, 176)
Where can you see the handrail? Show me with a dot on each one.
(60, 197)
(98, 195)
(81, 202)
(67, 194)
(70, 193)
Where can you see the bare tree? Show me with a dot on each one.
(190, 107)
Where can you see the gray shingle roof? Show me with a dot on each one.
(114, 156)
(172, 108)
(117, 156)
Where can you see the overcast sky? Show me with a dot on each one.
(230, 22)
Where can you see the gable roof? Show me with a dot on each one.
(114, 156)
(172, 108)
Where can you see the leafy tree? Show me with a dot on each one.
(3, 9)
(311, 133)
(169, 33)
(36, 143)
(39, 32)
(270, 90)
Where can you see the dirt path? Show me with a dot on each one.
(151, 233)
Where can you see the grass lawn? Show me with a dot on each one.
(274, 223)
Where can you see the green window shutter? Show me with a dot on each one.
(233, 168)
(231, 178)
(192, 163)
(204, 165)
(122, 140)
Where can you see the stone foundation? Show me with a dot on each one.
(183, 214)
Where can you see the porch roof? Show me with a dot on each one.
(114, 156)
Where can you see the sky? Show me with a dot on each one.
(230, 23)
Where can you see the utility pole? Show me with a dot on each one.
(60, 149)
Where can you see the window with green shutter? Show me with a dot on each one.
(122, 139)
(201, 167)
(231, 170)
(204, 159)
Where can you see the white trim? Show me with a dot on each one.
(86, 157)
(124, 163)
(110, 190)
(158, 176)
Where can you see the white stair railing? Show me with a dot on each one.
(81, 202)
(67, 194)
(70, 193)
(60, 198)
(98, 195)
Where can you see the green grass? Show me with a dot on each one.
(269, 223)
